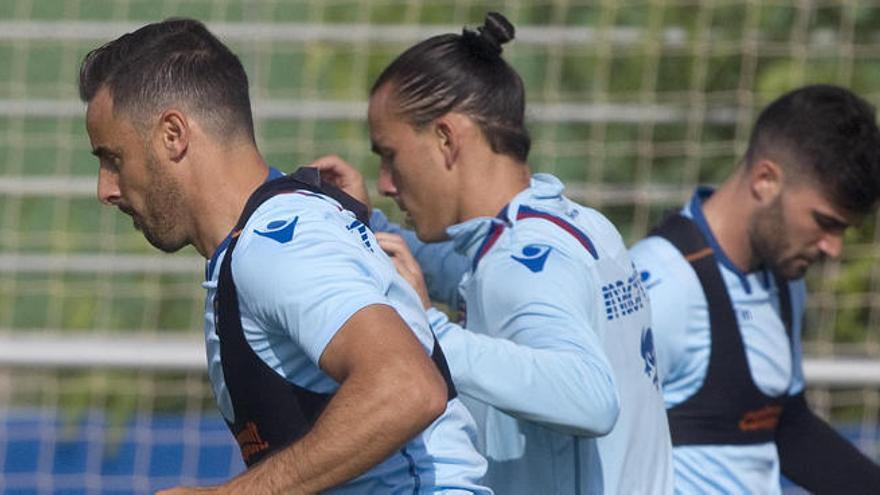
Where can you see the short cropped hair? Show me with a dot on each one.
(173, 62)
(463, 73)
(827, 134)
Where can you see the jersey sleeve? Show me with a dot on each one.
(544, 363)
(668, 281)
(306, 287)
(441, 264)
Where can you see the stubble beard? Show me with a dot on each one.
(768, 236)
(163, 219)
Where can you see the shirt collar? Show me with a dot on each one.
(468, 236)
(694, 209)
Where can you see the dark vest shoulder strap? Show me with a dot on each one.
(727, 351)
(682, 233)
(308, 178)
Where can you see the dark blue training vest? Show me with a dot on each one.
(270, 412)
(729, 408)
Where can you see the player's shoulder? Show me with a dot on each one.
(307, 204)
(659, 262)
(292, 227)
(578, 231)
(657, 253)
(291, 216)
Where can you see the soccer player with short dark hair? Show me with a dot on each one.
(724, 277)
(322, 360)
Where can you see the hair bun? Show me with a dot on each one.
(488, 38)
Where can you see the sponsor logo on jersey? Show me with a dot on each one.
(649, 355)
(624, 297)
(766, 418)
(250, 442)
(279, 230)
(534, 256)
(645, 275)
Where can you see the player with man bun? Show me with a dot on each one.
(554, 358)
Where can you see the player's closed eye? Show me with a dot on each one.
(829, 224)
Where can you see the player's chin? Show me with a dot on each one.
(430, 233)
(408, 221)
(794, 269)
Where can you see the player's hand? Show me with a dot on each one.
(341, 174)
(405, 263)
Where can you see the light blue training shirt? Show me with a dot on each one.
(554, 358)
(683, 340)
(302, 267)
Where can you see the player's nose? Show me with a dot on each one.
(385, 184)
(831, 245)
(108, 186)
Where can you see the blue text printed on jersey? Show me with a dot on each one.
(534, 256)
(279, 230)
(623, 297)
(361, 229)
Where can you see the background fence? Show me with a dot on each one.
(102, 389)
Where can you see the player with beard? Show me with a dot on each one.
(321, 357)
(724, 278)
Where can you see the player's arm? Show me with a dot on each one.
(389, 391)
(816, 457)
(442, 266)
(546, 365)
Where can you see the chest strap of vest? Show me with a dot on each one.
(728, 408)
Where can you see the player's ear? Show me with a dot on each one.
(174, 134)
(765, 180)
(447, 131)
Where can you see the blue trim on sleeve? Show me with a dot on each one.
(695, 207)
(494, 233)
(527, 212)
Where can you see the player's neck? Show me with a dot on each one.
(728, 212)
(220, 190)
(489, 189)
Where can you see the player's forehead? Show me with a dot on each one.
(108, 129)
(383, 110)
(100, 109)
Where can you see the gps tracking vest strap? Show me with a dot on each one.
(270, 412)
(728, 408)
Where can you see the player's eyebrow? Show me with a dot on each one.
(104, 152)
